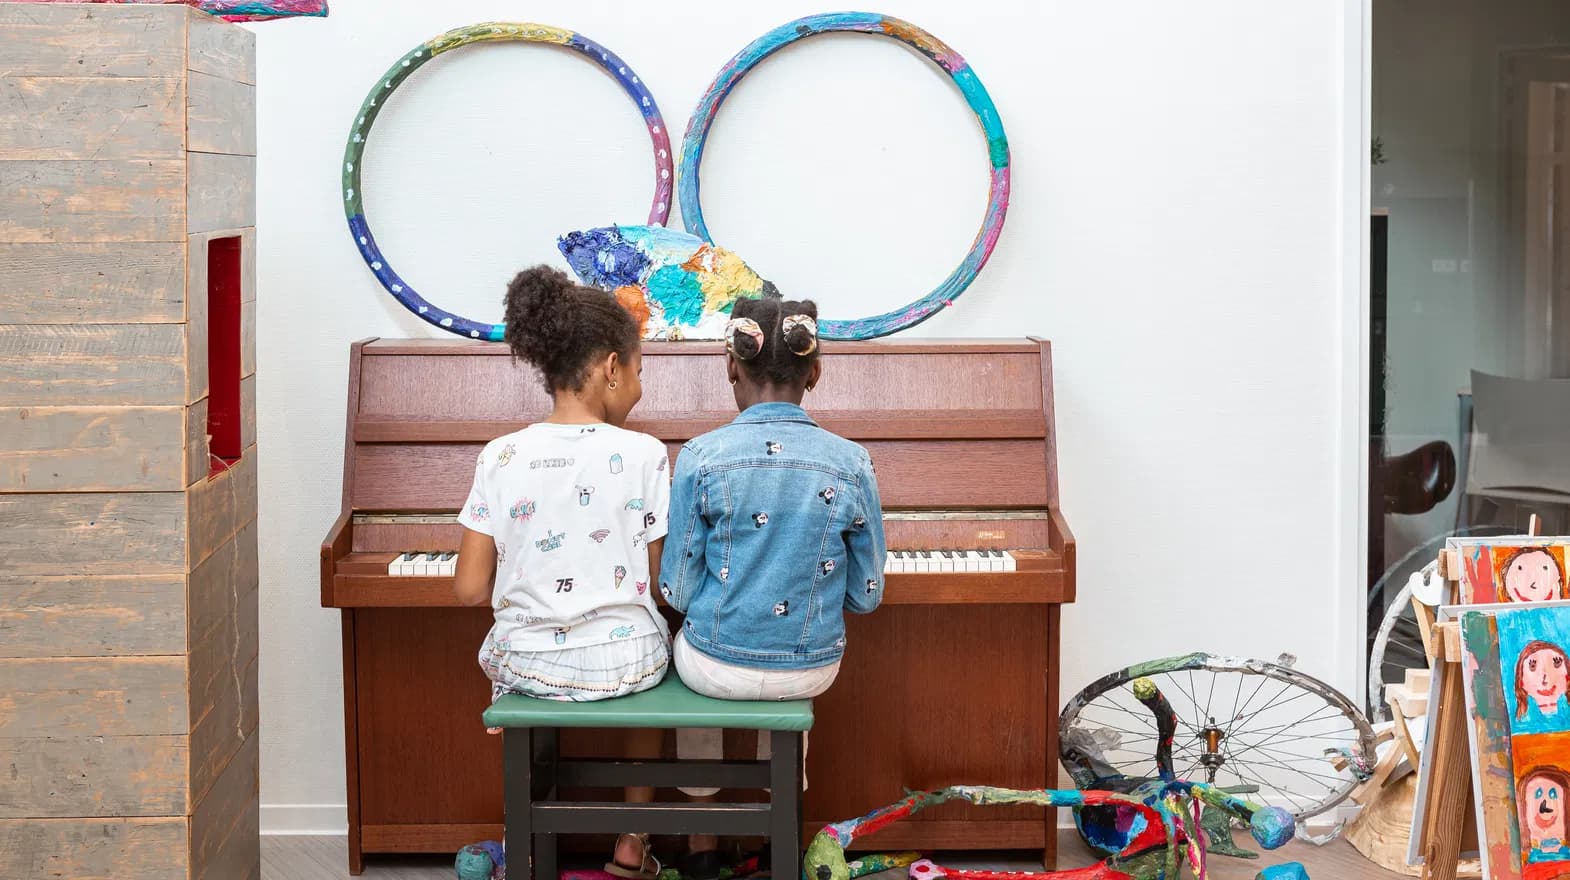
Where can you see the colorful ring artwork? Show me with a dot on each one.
(354, 207)
(969, 85)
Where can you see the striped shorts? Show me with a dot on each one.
(580, 675)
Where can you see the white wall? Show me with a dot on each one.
(1178, 229)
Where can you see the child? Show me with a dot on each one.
(564, 525)
(776, 531)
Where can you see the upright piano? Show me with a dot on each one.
(954, 680)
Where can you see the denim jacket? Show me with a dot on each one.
(775, 532)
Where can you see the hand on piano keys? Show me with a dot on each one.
(418, 563)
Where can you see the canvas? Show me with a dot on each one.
(1516, 674)
(1512, 570)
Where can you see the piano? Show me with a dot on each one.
(954, 680)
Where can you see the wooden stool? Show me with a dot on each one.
(535, 773)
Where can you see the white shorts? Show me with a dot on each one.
(592, 672)
(724, 681)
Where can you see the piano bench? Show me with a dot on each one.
(535, 773)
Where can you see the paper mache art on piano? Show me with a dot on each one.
(232, 10)
(677, 285)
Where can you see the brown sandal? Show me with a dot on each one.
(643, 871)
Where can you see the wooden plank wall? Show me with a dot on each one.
(128, 604)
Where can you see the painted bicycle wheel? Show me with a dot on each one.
(1290, 740)
(491, 32)
(969, 85)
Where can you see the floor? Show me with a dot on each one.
(322, 858)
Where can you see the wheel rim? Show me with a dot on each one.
(1242, 725)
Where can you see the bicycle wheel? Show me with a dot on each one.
(1290, 740)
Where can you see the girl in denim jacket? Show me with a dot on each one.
(776, 532)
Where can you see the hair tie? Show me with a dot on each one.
(791, 322)
(746, 327)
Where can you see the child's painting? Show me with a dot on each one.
(1515, 670)
(234, 10)
(677, 285)
(1512, 570)
(1536, 669)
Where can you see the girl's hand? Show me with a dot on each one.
(476, 568)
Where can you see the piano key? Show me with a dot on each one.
(1008, 560)
(447, 566)
(974, 561)
(946, 561)
(400, 566)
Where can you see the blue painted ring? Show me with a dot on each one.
(969, 85)
(354, 208)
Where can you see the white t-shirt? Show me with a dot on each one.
(572, 509)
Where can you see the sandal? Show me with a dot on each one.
(642, 871)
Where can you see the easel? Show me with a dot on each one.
(1450, 795)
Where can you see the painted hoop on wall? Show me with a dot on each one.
(975, 95)
(522, 32)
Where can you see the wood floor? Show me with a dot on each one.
(322, 858)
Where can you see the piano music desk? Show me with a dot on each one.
(953, 680)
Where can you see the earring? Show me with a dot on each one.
(733, 381)
(611, 385)
(810, 387)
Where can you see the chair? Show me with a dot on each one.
(1519, 448)
(535, 773)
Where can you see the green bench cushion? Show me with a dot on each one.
(668, 704)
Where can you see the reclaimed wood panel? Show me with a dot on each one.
(248, 412)
(215, 584)
(220, 116)
(196, 381)
(104, 364)
(92, 449)
(129, 200)
(220, 49)
(93, 534)
(68, 117)
(220, 507)
(220, 192)
(247, 335)
(92, 776)
(92, 696)
(80, 40)
(220, 732)
(224, 822)
(118, 615)
(248, 265)
(196, 442)
(94, 849)
(134, 282)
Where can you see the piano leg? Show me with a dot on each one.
(1049, 854)
(351, 744)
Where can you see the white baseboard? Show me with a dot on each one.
(305, 819)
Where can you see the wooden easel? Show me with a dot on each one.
(1450, 795)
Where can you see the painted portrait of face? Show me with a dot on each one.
(1532, 574)
(1542, 676)
(1542, 802)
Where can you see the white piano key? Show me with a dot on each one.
(426, 567)
(447, 565)
(974, 562)
(401, 565)
(888, 562)
(1008, 561)
(946, 561)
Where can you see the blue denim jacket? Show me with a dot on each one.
(775, 532)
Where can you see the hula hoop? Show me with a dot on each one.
(354, 208)
(975, 95)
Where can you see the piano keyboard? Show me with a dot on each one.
(420, 563)
(416, 563)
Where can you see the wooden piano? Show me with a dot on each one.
(954, 680)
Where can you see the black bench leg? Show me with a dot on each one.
(785, 805)
(518, 783)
